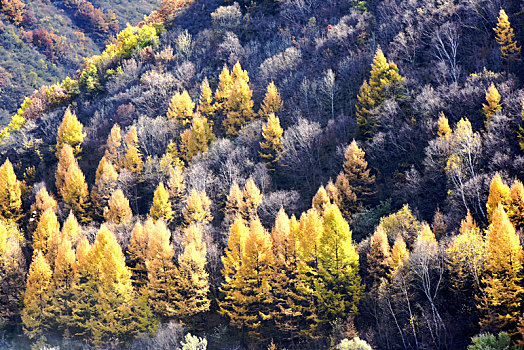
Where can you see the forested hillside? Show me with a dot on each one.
(266, 175)
(43, 41)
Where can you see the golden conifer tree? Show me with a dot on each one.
(466, 256)
(225, 82)
(443, 126)
(197, 209)
(103, 299)
(192, 282)
(320, 199)
(114, 151)
(399, 253)
(10, 193)
(385, 82)
(516, 206)
(500, 301)
(176, 185)
(252, 200)
(181, 108)
(205, 102)
(493, 103)
(271, 146)
(137, 253)
(161, 271)
(12, 275)
(238, 107)
(36, 298)
(43, 201)
(196, 139)
(105, 184)
(378, 257)
(233, 205)
(339, 289)
(161, 208)
(70, 132)
(65, 161)
(133, 158)
(118, 210)
(499, 193)
(355, 184)
(272, 104)
(506, 38)
(48, 229)
(71, 229)
(74, 190)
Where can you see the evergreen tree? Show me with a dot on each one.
(205, 102)
(239, 105)
(161, 208)
(378, 258)
(114, 150)
(506, 37)
(197, 209)
(320, 199)
(338, 287)
(355, 184)
(234, 203)
(516, 206)
(36, 299)
(271, 147)
(252, 200)
(133, 158)
(118, 210)
(48, 228)
(103, 299)
(500, 301)
(196, 139)
(192, 281)
(12, 275)
(70, 132)
(10, 193)
(71, 229)
(385, 82)
(181, 108)
(225, 82)
(493, 103)
(272, 104)
(137, 253)
(161, 272)
(443, 126)
(499, 193)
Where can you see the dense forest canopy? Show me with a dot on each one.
(277, 174)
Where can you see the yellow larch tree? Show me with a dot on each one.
(399, 253)
(206, 107)
(114, 151)
(225, 82)
(137, 253)
(10, 193)
(238, 107)
(74, 190)
(272, 103)
(192, 282)
(161, 208)
(271, 146)
(197, 209)
(71, 229)
(378, 258)
(36, 298)
(43, 201)
(161, 271)
(493, 103)
(252, 200)
(498, 194)
(196, 139)
(118, 210)
(320, 199)
(502, 292)
(234, 202)
(105, 184)
(133, 158)
(65, 161)
(443, 126)
(354, 183)
(181, 108)
(516, 206)
(47, 229)
(505, 37)
(70, 132)
(12, 275)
